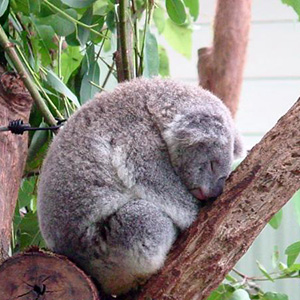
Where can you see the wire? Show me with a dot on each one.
(19, 127)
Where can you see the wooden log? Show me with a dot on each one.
(37, 274)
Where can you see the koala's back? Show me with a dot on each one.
(111, 146)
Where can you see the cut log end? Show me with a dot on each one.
(41, 275)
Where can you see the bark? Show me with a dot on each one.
(225, 229)
(40, 275)
(220, 67)
(124, 55)
(15, 103)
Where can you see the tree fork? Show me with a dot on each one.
(226, 228)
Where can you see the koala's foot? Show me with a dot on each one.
(134, 245)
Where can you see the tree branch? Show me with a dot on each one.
(124, 64)
(220, 68)
(225, 229)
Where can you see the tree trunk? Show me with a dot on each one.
(220, 68)
(15, 103)
(225, 229)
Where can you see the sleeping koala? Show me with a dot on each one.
(128, 172)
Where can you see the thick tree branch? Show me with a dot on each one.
(225, 229)
(15, 103)
(220, 68)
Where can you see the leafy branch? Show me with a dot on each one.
(10, 50)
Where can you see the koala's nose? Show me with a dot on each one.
(198, 193)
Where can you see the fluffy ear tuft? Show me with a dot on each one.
(238, 145)
(195, 128)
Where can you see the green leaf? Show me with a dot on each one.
(292, 269)
(292, 252)
(193, 6)
(27, 7)
(87, 90)
(164, 68)
(55, 82)
(29, 232)
(26, 192)
(240, 295)
(83, 33)
(78, 3)
(37, 142)
(159, 18)
(3, 7)
(101, 8)
(296, 203)
(179, 38)
(275, 296)
(223, 292)
(61, 25)
(71, 59)
(264, 271)
(276, 220)
(176, 11)
(295, 4)
(151, 58)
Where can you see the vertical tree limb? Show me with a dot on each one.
(220, 67)
(124, 61)
(15, 103)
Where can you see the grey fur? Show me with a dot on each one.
(115, 186)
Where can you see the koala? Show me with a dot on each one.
(128, 173)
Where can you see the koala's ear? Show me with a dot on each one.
(195, 128)
(238, 150)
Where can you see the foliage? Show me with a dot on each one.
(69, 48)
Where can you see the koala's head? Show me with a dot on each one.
(202, 147)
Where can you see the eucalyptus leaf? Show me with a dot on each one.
(151, 58)
(38, 140)
(240, 295)
(83, 33)
(78, 3)
(179, 38)
(193, 6)
(176, 11)
(29, 232)
(264, 271)
(88, 90)
(159, 18)
(61, 25)
(295, 4)
(275, 296)
(56, 83)
(164, 68)
(276, 220)
(292, 252)
(71, 59)
(3, 7)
